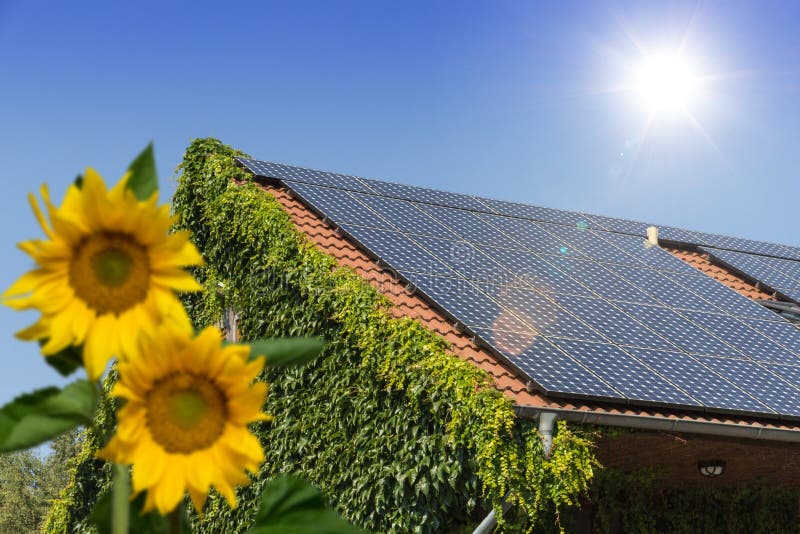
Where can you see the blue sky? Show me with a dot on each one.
(505, 99)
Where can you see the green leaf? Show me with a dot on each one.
(65, 361)
(144, 178)
(290, 505)
(151, 522)
(36, 417)
(79, 181)
(287, 351)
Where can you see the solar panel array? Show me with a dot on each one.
(577, 302)
(779, 274)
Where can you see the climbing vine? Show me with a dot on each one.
(400, 434)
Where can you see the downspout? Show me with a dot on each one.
(546, 424)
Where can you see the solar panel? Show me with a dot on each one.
(466, 260)
(404, 215)
(339, 205)
(790, 373)
(601, 280)
(267, 169)
(463, 300)
(591, 245)
(662, 288)
(678, 235)
(611, 224)
(541, 312)
(753, 267)
(537, 271)
(790, 268)
(722, 296)
(550, 368)
(653, 257)
(743, 245)
(781, 332)
(578, 303)
(791, 294)
(536, 213)
(758, 383)
(612, 322)
(679, 330)
(398, 251)
(424, 195)
(469, 226)
(699, 381)
(624, 373)
(529, 235)
(738, 335)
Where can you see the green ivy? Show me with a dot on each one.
(400, 434)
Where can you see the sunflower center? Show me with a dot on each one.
(186, 413)
(110, 272)
(112, 267)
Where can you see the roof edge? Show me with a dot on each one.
(650, 422)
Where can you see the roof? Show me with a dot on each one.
(595, 366)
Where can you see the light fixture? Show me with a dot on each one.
(711, 468)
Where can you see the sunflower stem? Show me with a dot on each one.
(121, 496)
(176, 520)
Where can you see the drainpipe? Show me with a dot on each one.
(490, 521)
(546, 422)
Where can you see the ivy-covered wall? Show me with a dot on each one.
(401, 435)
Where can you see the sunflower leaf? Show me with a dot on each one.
(36, 417)
(65, 361)
(291, 505)
(144, 178)
(287, 351)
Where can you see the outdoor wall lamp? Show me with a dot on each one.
(711, 468)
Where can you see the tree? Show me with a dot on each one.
(29, 484)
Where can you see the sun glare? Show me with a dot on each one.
(666, 84)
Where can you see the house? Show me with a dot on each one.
(470, 338)
(686, 336)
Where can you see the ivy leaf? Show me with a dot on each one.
(144, 178)
(290, 505)
(36, 417)
(287, 351)
(65, 361)
(152, 522)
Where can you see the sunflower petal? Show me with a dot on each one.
(177, 279)
(37, 211)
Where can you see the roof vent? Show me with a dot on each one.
(652, 237)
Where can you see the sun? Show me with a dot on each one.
(666, 84)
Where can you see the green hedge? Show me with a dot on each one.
(401, 435)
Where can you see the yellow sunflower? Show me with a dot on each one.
(107, 270)
(184, 425)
